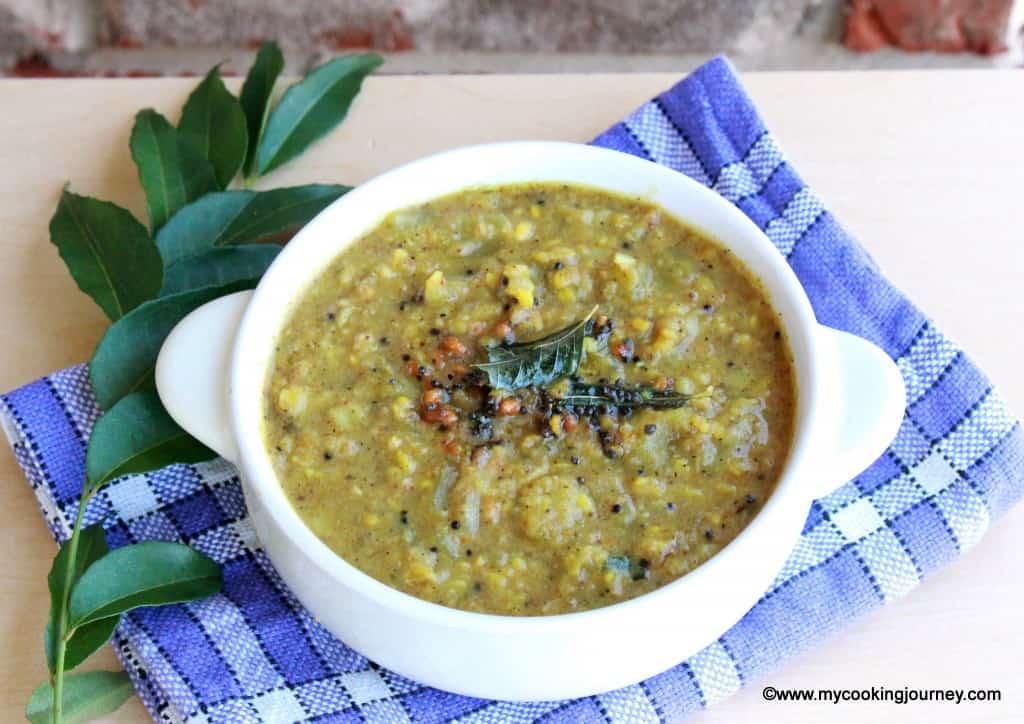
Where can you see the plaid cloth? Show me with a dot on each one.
(252, 653)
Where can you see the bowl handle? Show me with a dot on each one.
(871, 402)
(192, 372)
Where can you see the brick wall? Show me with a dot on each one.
(96, 36)
(950, 26)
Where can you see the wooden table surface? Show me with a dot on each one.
(925, 168)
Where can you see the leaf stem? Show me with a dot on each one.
(60, 635)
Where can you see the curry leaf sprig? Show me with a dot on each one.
(203, 240)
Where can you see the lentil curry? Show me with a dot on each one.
(634, 452)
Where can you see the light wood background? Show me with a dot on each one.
(925, 168)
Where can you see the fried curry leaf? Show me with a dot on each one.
(583, 397)
(514, 366)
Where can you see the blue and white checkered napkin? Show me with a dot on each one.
(253, 653)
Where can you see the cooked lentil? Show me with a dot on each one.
(397, 456)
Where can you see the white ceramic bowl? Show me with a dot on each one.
(211, 375)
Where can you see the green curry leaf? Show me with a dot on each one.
(92, 545)
(213, 122)
(83, 642)
(241, 217)
(124, 359)
(136, 436)
(171, 170)
(87, 696)
(108, 252)
(311, 108)
(514, 366)
(219, 266)
(151, 573)
(255, 96)
(202, 225)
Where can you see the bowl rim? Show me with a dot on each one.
(261, 480)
